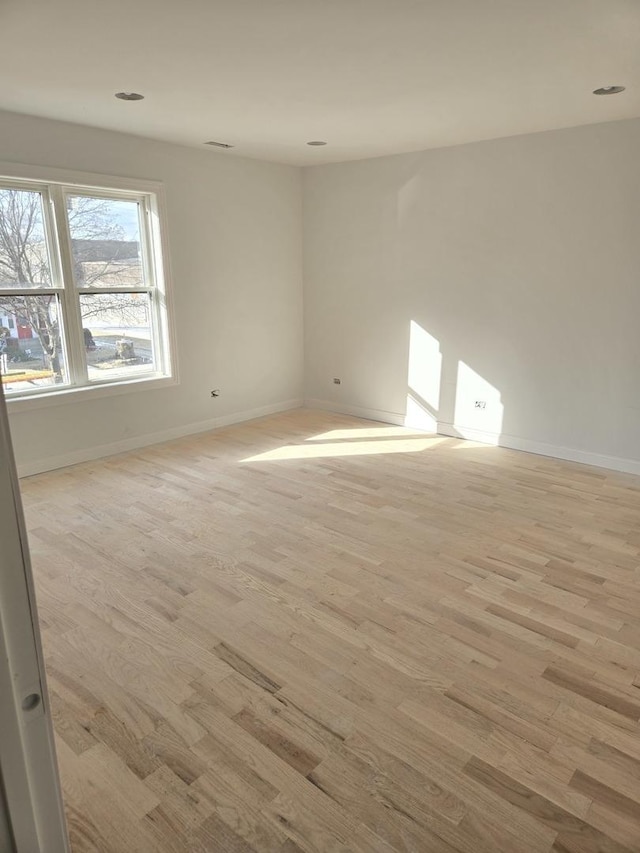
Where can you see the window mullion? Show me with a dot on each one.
(158, 333)
(70, 301)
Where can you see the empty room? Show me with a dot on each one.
(320, 426)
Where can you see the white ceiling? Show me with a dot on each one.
(371, 77)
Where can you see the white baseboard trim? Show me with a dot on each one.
(598, 460)
(87, 454)
(614, 463)
(473, 435)
(357, 411)
(570, 454)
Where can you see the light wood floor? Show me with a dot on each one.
(316, 633)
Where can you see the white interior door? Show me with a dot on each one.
(31, 812)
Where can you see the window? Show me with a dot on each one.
(82, 300)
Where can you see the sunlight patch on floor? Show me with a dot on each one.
(349, 448)
(367, 432)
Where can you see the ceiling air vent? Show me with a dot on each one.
(219, 144)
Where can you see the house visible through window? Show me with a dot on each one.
(81, 294)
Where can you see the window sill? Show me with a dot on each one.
(85, 393)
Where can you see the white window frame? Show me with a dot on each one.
(55, 185)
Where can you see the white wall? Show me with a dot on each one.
(235, 250)
(519, 257)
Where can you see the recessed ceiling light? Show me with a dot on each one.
(129, 96)
(219, 144)
(317, 142)
(609, 90)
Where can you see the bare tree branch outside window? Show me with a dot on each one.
(102, 255)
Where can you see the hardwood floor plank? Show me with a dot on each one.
(566, 823)
(586, 687)
(310, 632)
(601, 793)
